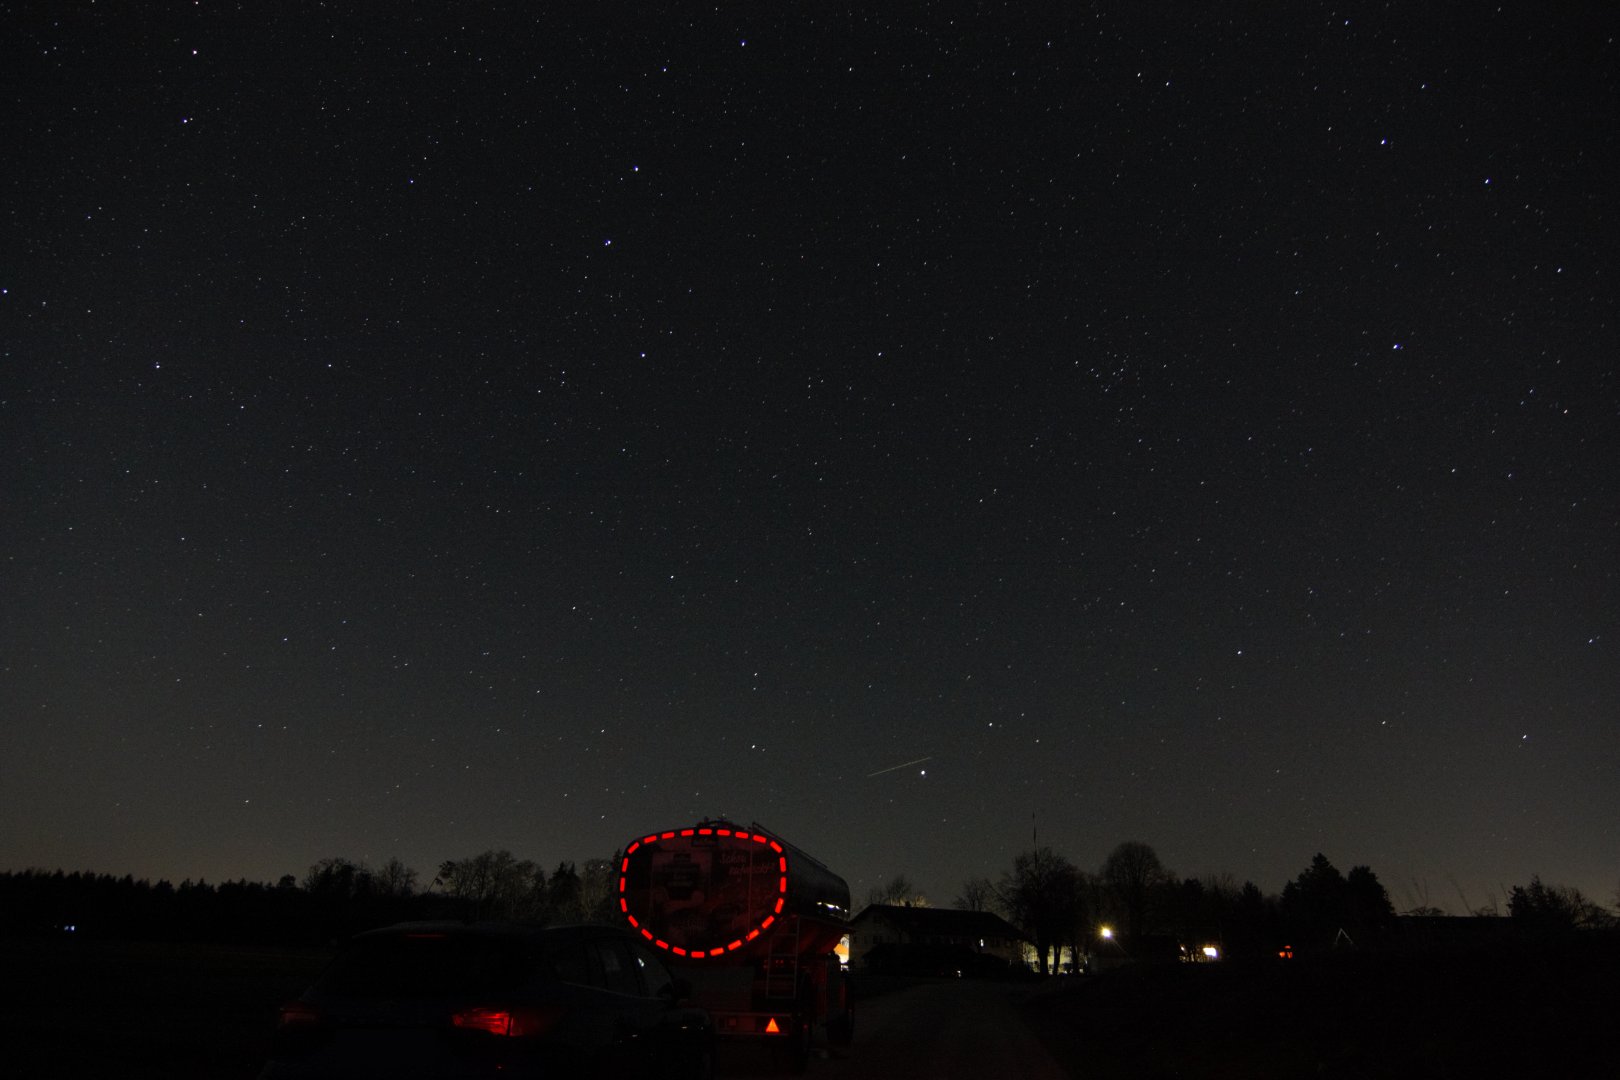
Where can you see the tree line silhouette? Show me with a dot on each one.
(1057, 904)
(335, 898)
(1147, 910)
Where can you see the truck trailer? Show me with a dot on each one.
(752, 922)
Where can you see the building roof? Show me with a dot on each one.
(941, 922)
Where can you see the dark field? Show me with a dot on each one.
(93, 1009)
(102, 1009)
(1520, 1012)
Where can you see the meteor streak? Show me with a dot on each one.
(902, 765)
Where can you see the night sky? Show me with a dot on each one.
(430, 428)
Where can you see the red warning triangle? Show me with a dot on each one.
(771, 1028)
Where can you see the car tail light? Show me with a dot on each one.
(296, 1014)
(517, 1022)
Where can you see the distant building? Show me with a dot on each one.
(932, 932)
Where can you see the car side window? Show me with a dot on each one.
(654, 975)
(618, 972)
(571, 965)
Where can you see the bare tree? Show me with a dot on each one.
(339, 879)
(598, 884)
(395, 878)
(1130, 875)
(1555, 907)
(1082, 907)
(1038, 895)
(494, 885)
(564, 896)
(898, 891)
(977, 895)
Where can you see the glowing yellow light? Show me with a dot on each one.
(1107, 933)
(1211, 952)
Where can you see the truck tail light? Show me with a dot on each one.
(515, 1022)
(295, 1014)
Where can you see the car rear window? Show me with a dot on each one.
(427, 965)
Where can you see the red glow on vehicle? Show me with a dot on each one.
(627, 873)
(513, 1023)
(297, 1014)
(494, 1021)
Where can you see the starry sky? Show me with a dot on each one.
(429, 428)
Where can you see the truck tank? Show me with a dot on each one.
(717, 890)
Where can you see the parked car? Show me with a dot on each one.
(463, 1001)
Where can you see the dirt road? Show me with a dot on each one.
(951, 1030)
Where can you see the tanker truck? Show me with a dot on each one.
(752, 923)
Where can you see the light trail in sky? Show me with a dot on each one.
(902, 765)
